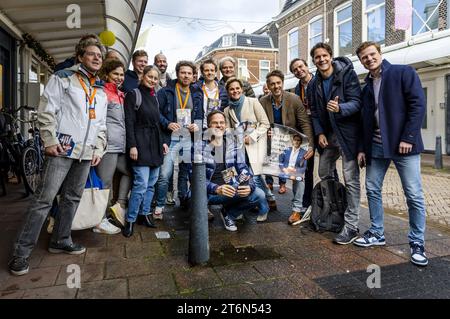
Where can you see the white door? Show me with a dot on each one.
(429, 129)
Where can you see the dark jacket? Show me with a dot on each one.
(67, 63)
(346, 123)
(167, 98)
(300, 163)
(401, 107)
(293, 114)
(248, 90)
(223, 95)
(130, 82)
(143, 129)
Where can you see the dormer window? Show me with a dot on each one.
(226, 41)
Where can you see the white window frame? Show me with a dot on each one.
(315, 19)
(289, 58)
(261, 80)
(336, 24)
(227, 41)
(240, 76)
(364, 19)
(408, 33)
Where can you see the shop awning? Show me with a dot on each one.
(46, 22)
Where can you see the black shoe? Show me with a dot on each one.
(19, 266)
(128, 229)
(346, 236)
(72, 249)
(147, 220)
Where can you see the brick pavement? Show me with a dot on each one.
(267, 260)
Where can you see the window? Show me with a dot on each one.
(315, 33)
(249, 41)
(374, 21)
(242, 69)
(292, 44)
(425, 16)
(264, 69)
(226, 41)
(343, 30)
(34, 71)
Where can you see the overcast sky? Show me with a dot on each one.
(183, 39)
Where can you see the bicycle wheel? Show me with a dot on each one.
(30, 168)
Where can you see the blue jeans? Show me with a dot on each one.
(298, 188)
(261, 184)
(144, 180)
(269, 180)
(236, 205)
(408, 168)
(166, 172)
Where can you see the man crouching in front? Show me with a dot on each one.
(229, 180)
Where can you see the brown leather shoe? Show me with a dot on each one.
(282, 189)
(270, 186)
(272, 205)
(294, 219)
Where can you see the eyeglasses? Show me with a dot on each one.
(97, 55)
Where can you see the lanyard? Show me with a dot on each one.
(86, 91)
(182, 104)
(217, 92)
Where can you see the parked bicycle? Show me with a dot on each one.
(22, 158)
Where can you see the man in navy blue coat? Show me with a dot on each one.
(334, 96)
(392, 115)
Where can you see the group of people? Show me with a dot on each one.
(136, 125)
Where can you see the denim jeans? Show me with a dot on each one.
(236, 205)
(261, 184)
(269, 180)
(408, 168)
(144, 181)
(166, 172)
(327, 168)
(298, 188)
(59, 172)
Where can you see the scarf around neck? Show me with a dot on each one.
(236, 105)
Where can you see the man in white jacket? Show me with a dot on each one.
(72, 122)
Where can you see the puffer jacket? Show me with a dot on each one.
(63, 109)
(115, 119)
(346, 123)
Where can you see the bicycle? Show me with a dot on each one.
(22, 158)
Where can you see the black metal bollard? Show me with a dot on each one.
(438, 153)
(198, 235)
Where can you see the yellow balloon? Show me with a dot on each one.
(107, 38)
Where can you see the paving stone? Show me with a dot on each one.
(102, 254)
(278, 289)
(132, 267)
(88, 272)
(235, 274)
(12, 294)
(61, 259)
(106, 289)
(275, 268)
(143, 250)
(89, 239)
(152, 286)
(55, 292)
(380, 256)
(36, 278)
(308, 287)
(196, 278)
(243, 291)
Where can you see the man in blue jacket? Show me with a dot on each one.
(132, 77)
(334, 96)
(180, 115)
(392, 114)
(229, 179)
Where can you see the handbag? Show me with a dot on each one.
(93, 203)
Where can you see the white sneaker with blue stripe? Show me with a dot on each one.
(369, 239)
(418, 256)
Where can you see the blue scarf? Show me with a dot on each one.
(237, 106)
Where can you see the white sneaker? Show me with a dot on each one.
(118, 213)
(261, 218)
(158, 213)
(105, 227)
(51, 223)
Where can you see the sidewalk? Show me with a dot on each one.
(268, 260)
